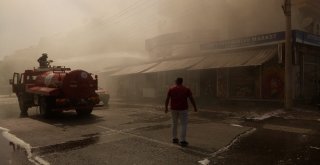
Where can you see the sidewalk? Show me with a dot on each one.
(241, 111)
(244, 110)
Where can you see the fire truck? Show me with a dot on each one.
(55, 89)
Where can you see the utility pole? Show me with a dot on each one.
(288, 55)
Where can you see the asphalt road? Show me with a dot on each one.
(127, 134)
(5, 151)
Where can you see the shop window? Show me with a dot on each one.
(272, 82)
(208, 84)
(244, 82)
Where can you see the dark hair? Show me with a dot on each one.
(179, 81)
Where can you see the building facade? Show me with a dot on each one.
(250, 68)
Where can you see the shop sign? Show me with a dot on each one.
(306, 38)
(246, 42)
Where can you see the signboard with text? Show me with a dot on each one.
(306, 38)
(247, 41)
(264, 39)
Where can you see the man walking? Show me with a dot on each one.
(178, 97)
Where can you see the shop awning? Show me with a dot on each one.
(236, 59)
(176, 64)
(134, 69)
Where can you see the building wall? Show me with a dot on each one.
(311, 76)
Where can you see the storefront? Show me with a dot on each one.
(247, 68)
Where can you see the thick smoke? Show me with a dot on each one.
(229, 18)
(98, 34)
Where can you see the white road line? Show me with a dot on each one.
(236, 125)
(155, 141)
(20, 143)
(316, 148)
(225, 148)
(268, 115)
(287, 129)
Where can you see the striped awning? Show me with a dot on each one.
(134, 69)
(236, 59)
(175, 64)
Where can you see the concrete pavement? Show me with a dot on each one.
(138, 134)
(118, 135)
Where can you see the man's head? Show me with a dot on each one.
(179, 81)
(44, 54)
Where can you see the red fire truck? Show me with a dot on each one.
(55, 89)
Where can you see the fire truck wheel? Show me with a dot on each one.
(23, 107)
(45, 109)
(84, 111)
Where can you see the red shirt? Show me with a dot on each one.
(179, 97)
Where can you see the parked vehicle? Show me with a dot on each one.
(55, 89)
(104, 97)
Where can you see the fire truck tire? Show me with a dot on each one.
(45, 109)
(23, 107)
(84, 112)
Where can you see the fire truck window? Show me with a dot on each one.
(22, 79)
(31, 78)
(15, 80)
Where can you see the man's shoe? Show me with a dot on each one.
(175, 140)
(184, 144)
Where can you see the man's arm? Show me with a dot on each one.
(193, 103)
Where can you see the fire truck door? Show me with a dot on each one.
(15, 82)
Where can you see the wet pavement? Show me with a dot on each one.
(137, 134)
(276, 141)
(10, 154)
(6, 150)
(5, 157)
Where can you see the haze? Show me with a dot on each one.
(24, 22)
(110, 31)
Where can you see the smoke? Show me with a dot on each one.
(23, 23)
(97, 34)
(229, 18)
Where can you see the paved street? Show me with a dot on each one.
(140, 134)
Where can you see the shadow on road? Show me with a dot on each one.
(69, 119)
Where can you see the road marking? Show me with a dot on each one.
(204, 162)
(287, 129)
(267, 115)
(20, 143)
(316, 148)
(236, 125)
(225, 148)
(154, 140)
